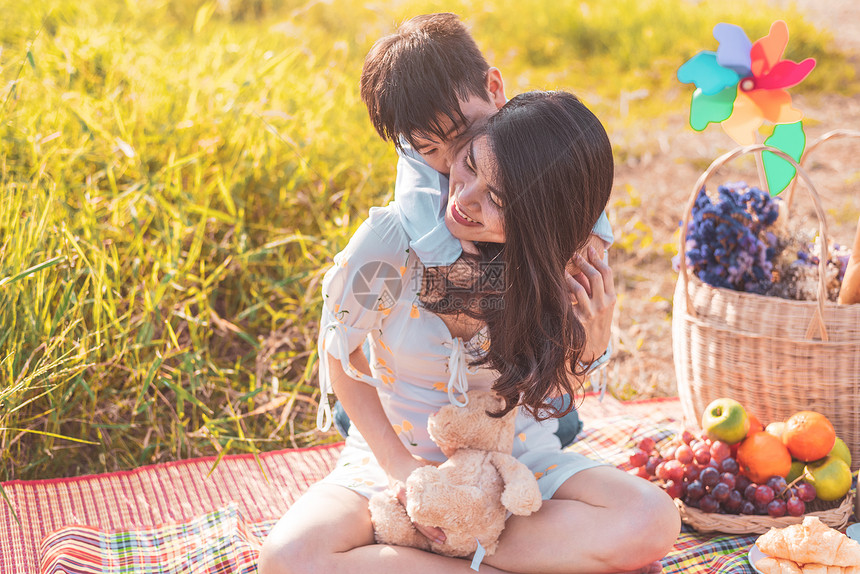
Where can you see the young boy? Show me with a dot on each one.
(423, 86)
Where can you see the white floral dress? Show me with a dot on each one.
(371, 292)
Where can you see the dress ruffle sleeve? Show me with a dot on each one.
(358, 291)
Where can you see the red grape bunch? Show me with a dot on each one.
(705, 475)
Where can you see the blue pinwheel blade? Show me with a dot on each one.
(707, 75)
(734, 50)
(711, 109)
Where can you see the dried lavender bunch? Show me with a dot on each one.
(729, 242)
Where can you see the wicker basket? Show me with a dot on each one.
(835, 515)
(775, 356)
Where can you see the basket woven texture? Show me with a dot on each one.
(835, 515)
(774, 355)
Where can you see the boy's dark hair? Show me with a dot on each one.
(414, 77)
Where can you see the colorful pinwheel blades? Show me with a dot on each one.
(707, 74)
(790, 139)
(735, 51)
(742, 85)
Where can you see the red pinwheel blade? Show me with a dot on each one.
(767, 51)
(785, 74)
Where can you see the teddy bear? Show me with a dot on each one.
(468, 496)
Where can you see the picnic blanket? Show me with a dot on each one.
(188, 517)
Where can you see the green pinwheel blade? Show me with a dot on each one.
(708, 76)
(705, 109)
(791, 139)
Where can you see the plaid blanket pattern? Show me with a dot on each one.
(156, 496)
(175, 519)
(217, 542)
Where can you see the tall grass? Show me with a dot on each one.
(175, 176)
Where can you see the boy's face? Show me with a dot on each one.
(439, 153)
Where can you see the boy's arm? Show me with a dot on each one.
(418, 187)
(603, 230)
(422, 195)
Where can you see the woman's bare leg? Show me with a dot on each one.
(601, 520)
(328, 531)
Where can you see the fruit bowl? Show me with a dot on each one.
(835, 514)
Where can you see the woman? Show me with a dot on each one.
(524, 195)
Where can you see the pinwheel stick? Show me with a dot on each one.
(762, 177)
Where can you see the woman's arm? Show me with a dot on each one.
(361, 402)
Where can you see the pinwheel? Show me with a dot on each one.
(742, 85)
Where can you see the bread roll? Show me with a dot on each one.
(772, 565)
(809, 543)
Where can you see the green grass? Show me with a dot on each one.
(174, 178)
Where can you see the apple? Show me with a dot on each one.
(776, 428)
(840, 450)
(830, 477)
(726, 420)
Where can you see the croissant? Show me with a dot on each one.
(811, 542)
(772, 565)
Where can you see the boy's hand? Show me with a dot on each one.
(593, 295)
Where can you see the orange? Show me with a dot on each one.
(808, 435)
(762, 455)
(755, 424)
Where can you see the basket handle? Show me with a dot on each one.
(817, 323)
(831, 135)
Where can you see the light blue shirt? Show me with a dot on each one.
(422, 193)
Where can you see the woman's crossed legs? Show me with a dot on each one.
(601, 520)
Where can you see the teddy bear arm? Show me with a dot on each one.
(521, 494)
(391, 524)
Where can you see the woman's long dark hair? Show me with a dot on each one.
(553, 168)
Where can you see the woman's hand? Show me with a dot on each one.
(593, 295)
(397, 484)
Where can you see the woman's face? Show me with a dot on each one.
(474, 211)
